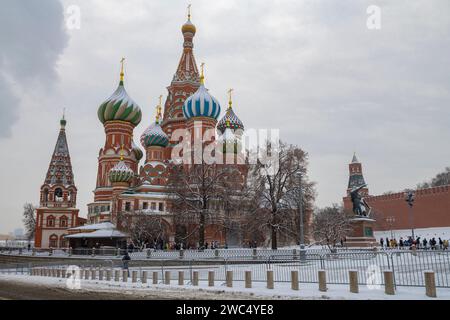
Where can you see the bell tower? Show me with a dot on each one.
(58, 196)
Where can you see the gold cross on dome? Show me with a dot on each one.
(229, 96)
(189, 11)
(121, 69)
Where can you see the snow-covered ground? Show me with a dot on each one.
(220, 291)
(428, 233)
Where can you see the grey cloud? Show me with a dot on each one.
(33, 37)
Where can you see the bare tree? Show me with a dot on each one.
(29, 220)
(142, 228)
(441, 179)
(331, 225)
(198, 193)
(274, 181)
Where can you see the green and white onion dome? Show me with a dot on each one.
(137, 151)
(154, 136)
(120, 173)
(231, 121)
(201, 104)
(120, 106)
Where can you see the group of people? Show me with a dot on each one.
(418, 243)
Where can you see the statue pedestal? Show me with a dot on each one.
(362, 233)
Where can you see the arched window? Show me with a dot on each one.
(45, 199)
(63, 222)
(50, 221)
(59, 195)
(62, 241)
(53, 241)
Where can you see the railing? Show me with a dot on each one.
(407, 266)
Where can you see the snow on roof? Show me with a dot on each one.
(97, 226)
(105, 233)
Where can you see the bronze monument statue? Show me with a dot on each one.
(360, 206)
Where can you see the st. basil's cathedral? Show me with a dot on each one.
(123, 185)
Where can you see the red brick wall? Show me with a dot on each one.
(431, 209)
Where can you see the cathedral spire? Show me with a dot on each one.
(60, 167)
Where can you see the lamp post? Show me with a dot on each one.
(300, 213)
(390, 221)
(410, 200)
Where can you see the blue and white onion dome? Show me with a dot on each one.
(120, 106)
(201, 103)
(120, 172)
(154, 135)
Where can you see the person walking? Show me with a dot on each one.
(425, 242)
(445, 244)
(125, 260)
(387, 242)
(440, 243)
(381, 242)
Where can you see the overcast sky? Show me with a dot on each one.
(310, 68)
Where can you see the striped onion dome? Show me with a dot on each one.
(120, 107)
(120, 173)
(137, 151)
(154, 136)
(201, 104)
(230, 120)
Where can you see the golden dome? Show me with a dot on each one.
(188, 27)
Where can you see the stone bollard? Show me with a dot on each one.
(50, 253)
(210, 278)
(195, 278)
(33, 252)
(93, 252)
(144, 277)
(54, 273)
(322, 281)
(248, 279)
(294, 280)
(149, 253)
(269, 279)
(155, 277)
(63, 273)
(216, 253)
(255, 254)
(93, 274)
(229, 279)
(414, 250)
(167, 277)
(58, 273)
(118, 252)
(294, 253)
(353, 277)
(100, 275)
(124, 275)
(70, 251)
(181, 253)
(134, 275)
(108, 275)
(430, 284)
(180, 278)
(86, 274)
(117, 275)
(389, 282)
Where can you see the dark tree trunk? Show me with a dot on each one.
(274, 238)
(201, 231)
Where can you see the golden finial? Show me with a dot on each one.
(202, 75)
(121, 152)
(189, 11)
(229, 97)
(158, 109)
(121, 69)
